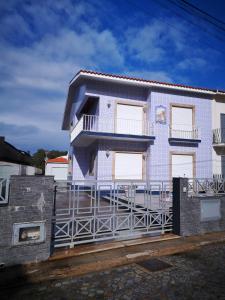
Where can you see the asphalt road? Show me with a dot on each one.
(198, 274)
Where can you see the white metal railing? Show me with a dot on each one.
(121, 126)
(182, 133)
(97, 210)
(206, 186)
(4, 190)
(219, 136)
(218, 177)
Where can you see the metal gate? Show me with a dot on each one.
(90, 211)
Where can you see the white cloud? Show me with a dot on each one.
(35, 75)
(51, 62)
(43, 46)
(192, 63)
(151, 42)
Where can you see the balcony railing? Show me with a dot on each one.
(183, 133)
(219, 136)
(93, 123)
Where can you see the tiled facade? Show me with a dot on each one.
(159, 162)
(157, 154)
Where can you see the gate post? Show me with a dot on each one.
(180, 194)
(26, 221)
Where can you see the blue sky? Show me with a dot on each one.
(44, 43)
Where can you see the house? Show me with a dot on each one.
(134, 129)
(58, 167)
(218, 124)
(14, 161)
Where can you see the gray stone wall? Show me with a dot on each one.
(187, 211)
(30, 200)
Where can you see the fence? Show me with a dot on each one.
(199, 206)
(206, 186)
(88, 211)
(193, 134)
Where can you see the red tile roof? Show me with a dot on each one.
(61, 160)
(145, 80)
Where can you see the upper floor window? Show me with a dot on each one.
(182, 117)
(129, 119)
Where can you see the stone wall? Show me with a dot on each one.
(30, 201)
(188, 211)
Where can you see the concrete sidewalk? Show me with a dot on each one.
(92, 258)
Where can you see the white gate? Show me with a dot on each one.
(91, 211)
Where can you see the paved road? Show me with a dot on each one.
(199, 275)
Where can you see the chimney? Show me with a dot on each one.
(2, 138)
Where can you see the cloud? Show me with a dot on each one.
(192, 63)
(34, 76)
(44, 43)
(151, 43)
(51, 62)
(31, 138)
(20, 131)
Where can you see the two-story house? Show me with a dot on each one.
(135, 129)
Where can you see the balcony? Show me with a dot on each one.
(180, 134)
(91, 127)
(219, 141)
(219, 137)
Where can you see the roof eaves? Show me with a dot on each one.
(144, 82)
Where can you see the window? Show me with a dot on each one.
(182, 118)
(129, 119)
(128, 166)
(183, 165)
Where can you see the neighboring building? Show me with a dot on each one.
(14, 161)
(58, 167)
(129, 128)
(218, 123)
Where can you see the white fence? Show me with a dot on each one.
(193, 134)
(90, 211)
(206, 186)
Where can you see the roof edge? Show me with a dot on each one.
(136, 80)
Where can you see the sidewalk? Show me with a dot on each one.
(92, 258)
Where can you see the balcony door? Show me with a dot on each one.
(129, 119)
(222, 126)
(182, 122)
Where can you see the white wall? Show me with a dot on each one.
(7, 169)
(218, 107)
(58, 170)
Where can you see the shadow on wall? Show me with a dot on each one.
(83, 158)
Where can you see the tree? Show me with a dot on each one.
(38, 158)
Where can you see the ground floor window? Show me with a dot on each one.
(182, 165)
(128, 165)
